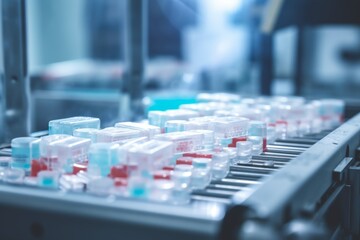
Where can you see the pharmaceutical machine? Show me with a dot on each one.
(225, 167)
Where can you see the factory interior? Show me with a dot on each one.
(180, 119)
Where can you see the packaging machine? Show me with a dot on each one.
(311, 189)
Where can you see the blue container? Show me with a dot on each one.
(68, 125)
(24, 149)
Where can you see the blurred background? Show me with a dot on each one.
(77, 53)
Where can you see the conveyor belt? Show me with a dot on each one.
(243, 177)
(211, 211)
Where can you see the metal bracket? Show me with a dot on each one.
(340, 172)
(354, 181)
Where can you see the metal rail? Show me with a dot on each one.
(297, 187)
